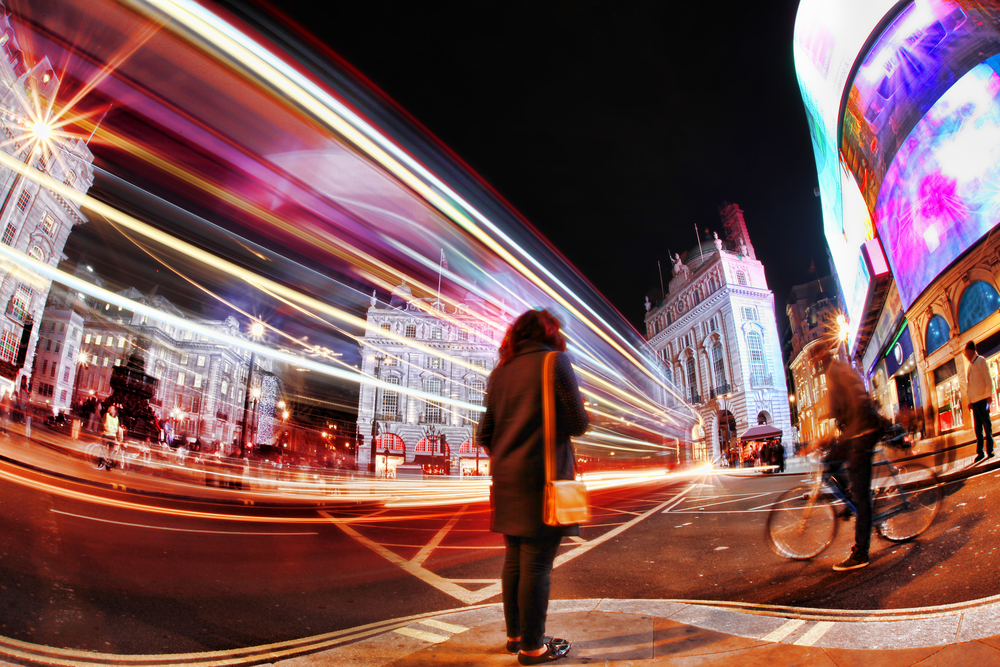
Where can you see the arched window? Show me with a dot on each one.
(978, 302)
(712, 286)
(758, 364)
(669, 373)
(37, 253)
(938, 333)
(691, 377)
(718, 366)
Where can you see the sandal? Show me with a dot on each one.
(554, 649)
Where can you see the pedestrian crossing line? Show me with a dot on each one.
(431, 637)
(814, 633)
(441, 625)
(783, 631)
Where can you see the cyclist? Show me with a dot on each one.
(848, 403)
(112, 434)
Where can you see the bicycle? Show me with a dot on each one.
(97, 455)
(803, 523)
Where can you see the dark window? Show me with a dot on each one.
(938, 333)
(978, 302)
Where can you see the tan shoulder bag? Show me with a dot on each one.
(565, 499)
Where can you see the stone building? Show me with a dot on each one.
(35, 220)
(716, 334)
(56, 357)
(463, 351)
(812, 312)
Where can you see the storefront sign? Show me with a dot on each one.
(899, 351)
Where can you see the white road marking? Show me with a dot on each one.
(421, 546)
(814, 633)
(610, 509)
(441, 625)
(437, 581)
(436, 540)
(584, 548)
(720, 548)
(431, 637)
(734, 500)
(176, 530)
(783, 631)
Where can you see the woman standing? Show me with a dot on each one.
(512, 432)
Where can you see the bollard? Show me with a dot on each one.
(27, 427)
(75, 431)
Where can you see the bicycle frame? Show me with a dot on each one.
(828, 480)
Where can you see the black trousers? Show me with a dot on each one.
(525, 583)
(857, 454)
(983, 425)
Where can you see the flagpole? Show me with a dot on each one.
(440, 271)
(663, 292)
(698, 236)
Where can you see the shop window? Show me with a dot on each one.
(938, 333)
(949, 396)
(979, 301)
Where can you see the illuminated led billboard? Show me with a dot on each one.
(941, 193)
(925, 49)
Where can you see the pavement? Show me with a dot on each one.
(624, 633)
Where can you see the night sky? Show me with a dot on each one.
(614, 127)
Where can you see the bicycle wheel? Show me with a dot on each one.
(121, 461)
(802, 523)
(94, 455)
(910, 504)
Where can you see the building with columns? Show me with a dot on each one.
(34, 220)
(463, 351)
(717, 336)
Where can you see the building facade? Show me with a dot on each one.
(56, 358)
(459, 350)
(906, 169)
(813, 309)
(717, 335)
(35, 220)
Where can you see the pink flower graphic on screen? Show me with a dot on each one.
(939, 207)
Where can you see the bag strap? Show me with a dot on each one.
(549, 414)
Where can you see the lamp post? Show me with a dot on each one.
(81, 362)
(371, 463)
(256, 330)
(256, 402)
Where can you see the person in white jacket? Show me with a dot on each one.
(980, 393)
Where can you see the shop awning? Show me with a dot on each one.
(760, 432)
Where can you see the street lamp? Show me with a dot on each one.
(256, 402)
(81, 362)
(371, 464)
(256, 331)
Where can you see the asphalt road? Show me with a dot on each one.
(93, 568)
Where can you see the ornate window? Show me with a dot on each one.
(22, 201)
(718, 365)
(8, 234)
(476, 389)
(978, 302)
(386, 328)
(463, 335)
(758, 364)
(433, 411)
(436, 333)
(36, 253)
(669, 373)
(50, 226)
(411, 330)
(390, 400)
(692, 378)
(741, 278)
(938, 333)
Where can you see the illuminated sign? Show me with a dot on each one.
(942, 192)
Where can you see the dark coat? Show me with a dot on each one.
(511, 431)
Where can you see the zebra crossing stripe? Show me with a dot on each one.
(431, 637)
(441, 625)
(814, 633)
(783, 631)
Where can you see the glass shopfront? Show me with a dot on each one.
(947, 385)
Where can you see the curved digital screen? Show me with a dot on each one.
(941, 193)
(927, 48)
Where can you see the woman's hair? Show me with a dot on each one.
(535, 325)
